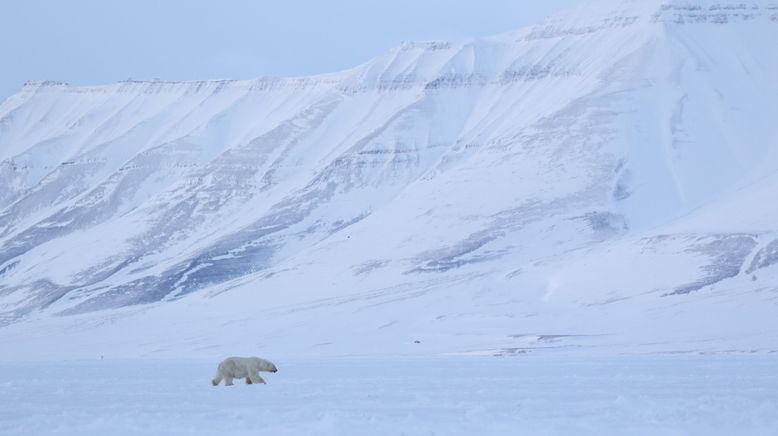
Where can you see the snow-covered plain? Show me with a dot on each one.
(560, 395)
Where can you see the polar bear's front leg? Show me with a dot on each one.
(255, 378)
(228, 381)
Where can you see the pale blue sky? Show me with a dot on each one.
(99, 41)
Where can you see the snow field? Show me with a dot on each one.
(529, 395)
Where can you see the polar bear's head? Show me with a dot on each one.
(265, 365)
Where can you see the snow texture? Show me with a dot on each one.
(660, 395)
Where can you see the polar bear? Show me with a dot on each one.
(240, 367)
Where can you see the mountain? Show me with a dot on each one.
(604, 180)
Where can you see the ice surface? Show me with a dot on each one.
(660, 395)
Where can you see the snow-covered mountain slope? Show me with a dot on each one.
(605, 178)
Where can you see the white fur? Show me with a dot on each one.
(242, 367)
